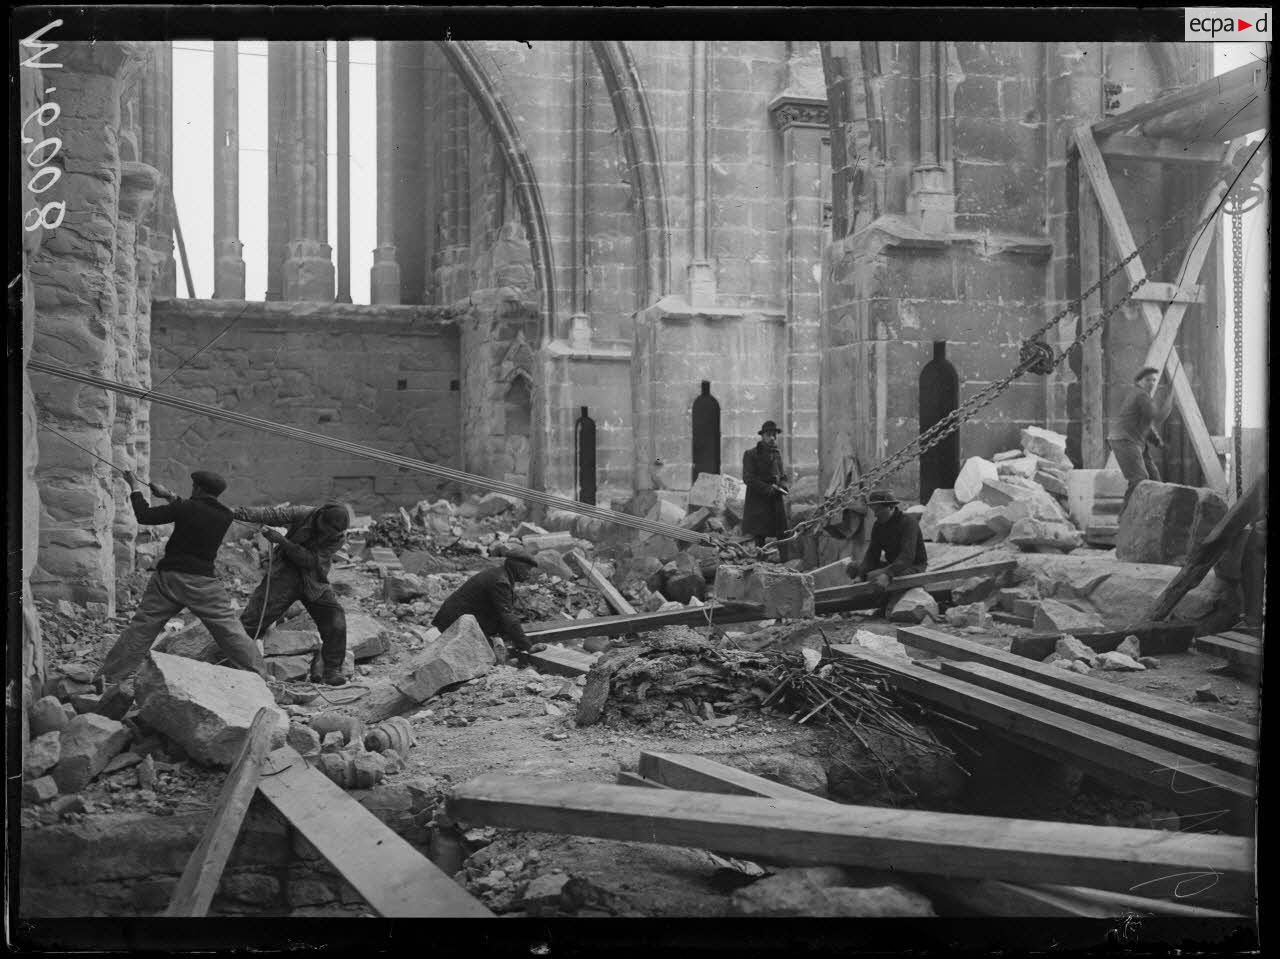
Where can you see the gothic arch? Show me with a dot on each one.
(631, 107)
(524, 181)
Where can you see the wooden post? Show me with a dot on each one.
(200, 879)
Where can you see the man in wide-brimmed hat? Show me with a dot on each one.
(184, 578)
(764, 514)
(896, 547)
(490, 597)
(1137, 425)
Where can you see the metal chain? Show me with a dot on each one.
(1034, 358)
(1235, 208)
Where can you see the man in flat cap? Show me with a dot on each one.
(298, 570)
(184, 578)
(765, 512)
(896, 547)
(1135, 426)
(490, 597)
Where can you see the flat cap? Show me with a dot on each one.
(520, 556)
(210, 482)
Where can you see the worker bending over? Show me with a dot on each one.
(490, 597)
(1136, 426)
(896, 547)
(298, 570)
(184, 578)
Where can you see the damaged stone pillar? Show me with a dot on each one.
(155, 148)
(308, 270)
(228, 267)
(384, 276)
(76, 312)
(281, 125)
(138, 183)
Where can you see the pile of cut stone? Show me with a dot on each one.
(1017, 496)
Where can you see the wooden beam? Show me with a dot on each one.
(1243, 512)
(984, 896)
(1180, 784)
(560, 662)
(1093, 381)
(635, 779)
(838, 599)
(601, 582)
(1220, 89)
(1113, 214)
(200, 879)
(1158, 707)
(390, 875)
(1161, 149)
(1246, 656)
(1153, 292)
(1139, 861)
(697, 774)
(1240, 760)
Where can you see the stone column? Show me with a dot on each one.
(308, 270)
(344, 171)
(579, 322)
(280, 136)
(384, 278)
(228, 251)
(156, 150)
(702, 276)
(132, 260)
(931, 202)
(76, 305)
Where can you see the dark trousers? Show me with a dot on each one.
(167, 594)
(325, 611)
(1135, 462)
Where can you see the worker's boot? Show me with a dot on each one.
(499, 652)
(332, 676)
(316, 673)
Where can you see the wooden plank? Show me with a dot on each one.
(558, 661)
(1234, 759)
(1012, 620)
(199, 881)
(1093, 387)
(984, 847)
(635, 779)
(642, 622)
(697, 774)
(865, 595)
(389, 874)
(1169, 293)
(1248, 639)
(1161, 149)
(1095, 167)
(1249, 658)
(984, 896)
(1220, 89)
(1180, 784)
(601, 582)
(1158, 707)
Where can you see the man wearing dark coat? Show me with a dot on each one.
(765, 512)
(1137, 425)
(299, 570)
(896, 547)
(184, 578)
(490, 597)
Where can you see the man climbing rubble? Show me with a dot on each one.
(1135, 427)
(896, 547)
(299, 571)
(184, 578)
(489, 596)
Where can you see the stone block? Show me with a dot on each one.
(496, 504)
(401, 587)
(942, 504)
(562, 542)
(1118, 662)
(116, 701)
(366, 637)
(1164, 522)
(290, 642)
(126, 760)
(87, 744)
(1086, 487)
(86, 702)
(973, 614)
(1054, 616)
(1130, 646)
(967, 525)
(206, 709)
(288, 668)
(1070, 648)
(973, 590)
(708, 490)
(552, 563)
(40, 790)
(192, 641)
(461, 653)
(46, 715)
(1055, 485)
(41, 754)
(915, 606)
(1046, 444)
(63, 688)
(1035, 534)
(367, 770)
(973, 474)
(784, 593)
(1023, 466)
